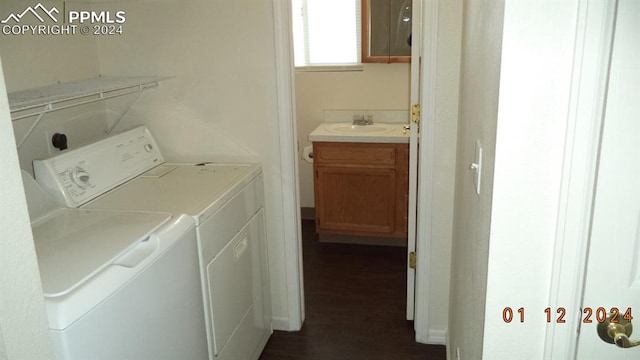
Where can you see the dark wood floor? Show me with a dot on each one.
(355, 306)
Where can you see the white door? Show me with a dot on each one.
(416, 31)
(613, 273)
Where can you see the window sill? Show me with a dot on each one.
(330, 68)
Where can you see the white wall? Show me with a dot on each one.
(221, 105)
(535, 83)
(376, 87)
(530, 49)
(35, 60)
(479, 91)
(23, 322)
(32, 61)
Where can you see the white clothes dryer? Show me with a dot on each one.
(117, 284)
(226, 202)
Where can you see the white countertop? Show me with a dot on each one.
(346, 132)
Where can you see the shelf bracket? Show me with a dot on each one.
(46, 109)
(124, 113)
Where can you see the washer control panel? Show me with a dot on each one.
(77, 176)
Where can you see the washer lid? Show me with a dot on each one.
(194, 190)
(73, 245)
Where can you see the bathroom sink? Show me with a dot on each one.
(346, 128)
(346, 132)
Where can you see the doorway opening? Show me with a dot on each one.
(354, 305)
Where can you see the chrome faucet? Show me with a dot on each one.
(362, 120)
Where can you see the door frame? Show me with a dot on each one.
(424, 204)
(290, 190)
(289, 170)
(592, 55)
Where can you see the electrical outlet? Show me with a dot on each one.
(48, 135)
(59, 141)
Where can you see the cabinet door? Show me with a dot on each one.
(355, 200)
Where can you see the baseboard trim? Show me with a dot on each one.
(281, 324)
(437, 337)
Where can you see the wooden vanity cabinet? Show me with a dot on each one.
(361, 188)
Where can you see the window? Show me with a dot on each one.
(326, 32)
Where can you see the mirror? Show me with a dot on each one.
(386, 31)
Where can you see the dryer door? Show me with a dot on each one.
(234, 279)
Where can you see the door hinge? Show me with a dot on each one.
(412, 260)
(415, 113)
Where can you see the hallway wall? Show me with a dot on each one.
(515, 91)
(24, 333)
(479, 93)
(538, 49)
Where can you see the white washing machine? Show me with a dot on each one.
(117, 284)
(227, 204)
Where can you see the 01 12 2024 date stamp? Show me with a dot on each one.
(557, 315)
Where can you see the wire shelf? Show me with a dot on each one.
(39, 101)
